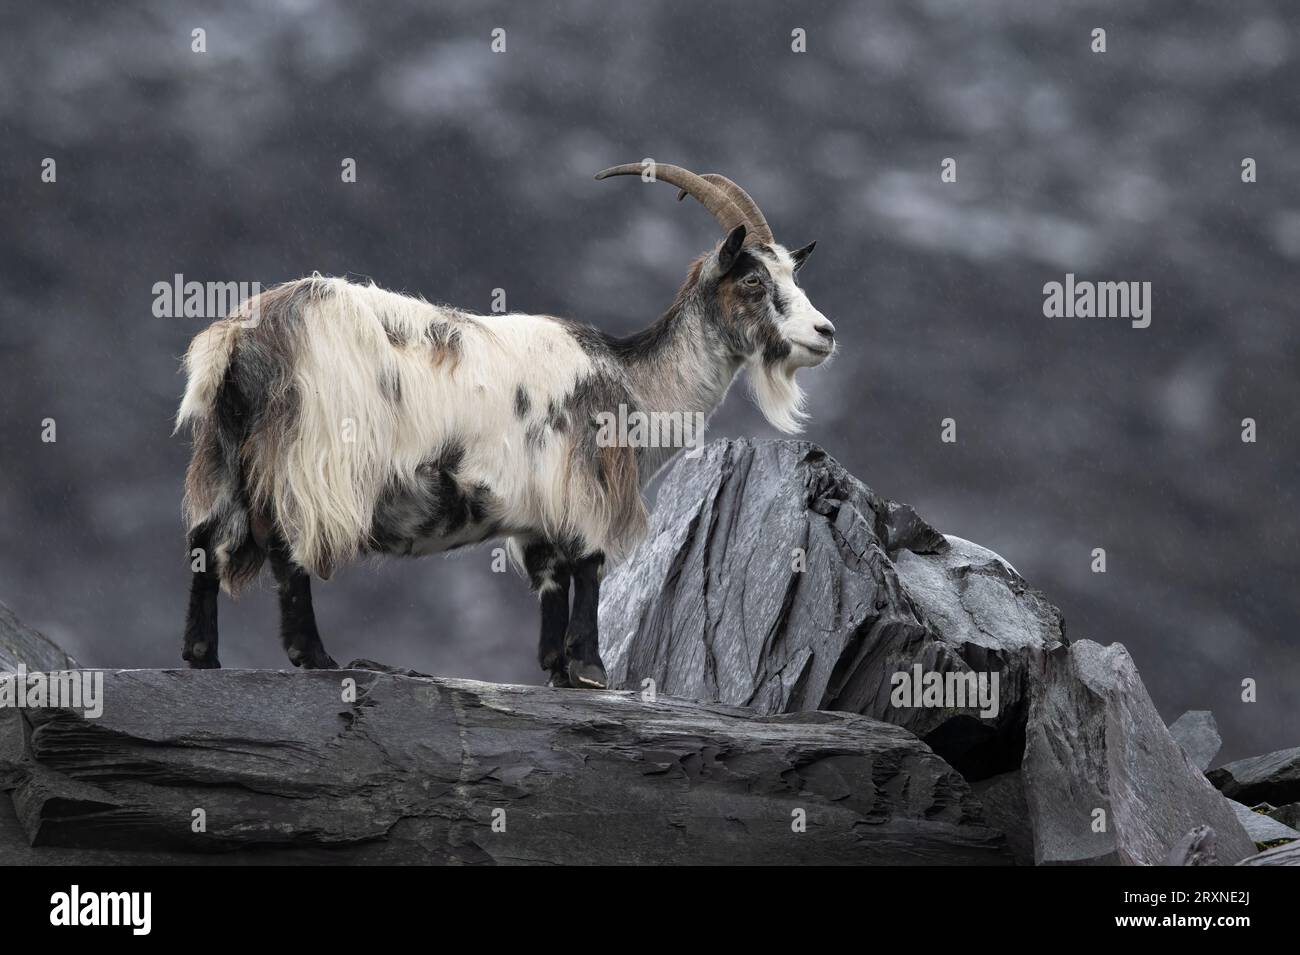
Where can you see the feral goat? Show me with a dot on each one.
(332, 419)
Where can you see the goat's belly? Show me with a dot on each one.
(436, 512)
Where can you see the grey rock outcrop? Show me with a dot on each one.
(1105, 781)
(1198, 735)
(1273, 778)
(418, 770)
(773, 578)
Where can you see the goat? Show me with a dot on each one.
(349, 420)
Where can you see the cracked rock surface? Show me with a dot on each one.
(418, 770)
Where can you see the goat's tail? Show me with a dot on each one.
(217, 513)
(205, 363)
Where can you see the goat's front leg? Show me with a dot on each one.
(548, 575)
(582, 643)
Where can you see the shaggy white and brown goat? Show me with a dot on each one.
(332, 419)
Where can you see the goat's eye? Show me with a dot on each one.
(752, 281)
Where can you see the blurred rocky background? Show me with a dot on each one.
(474, 173)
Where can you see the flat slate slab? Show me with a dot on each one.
(360, 766)
(1272, 778)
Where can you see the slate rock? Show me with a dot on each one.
(1272, 778)
(772, 578)
(1198, 735)
(1260, 826)
(1288, 815)
(1005, 808)
(20, 644)
(1288, 854)
(287, 768)
(1094, 741)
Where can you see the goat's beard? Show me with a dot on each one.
(777, 394)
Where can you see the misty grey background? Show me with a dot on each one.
(475, 172)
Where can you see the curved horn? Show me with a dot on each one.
(711, 196)
(759, 228)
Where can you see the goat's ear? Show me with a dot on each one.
(801, 255)
(730, 248)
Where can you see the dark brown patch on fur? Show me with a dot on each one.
(742, 312)
(390, 384)
(443, 339)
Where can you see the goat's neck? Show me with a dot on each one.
(678, 365)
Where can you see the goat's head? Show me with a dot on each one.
(750, 294)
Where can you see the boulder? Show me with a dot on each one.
(1198, 735)
(1104, 780)
(358, 766)
(1273, 778)
(772, 578)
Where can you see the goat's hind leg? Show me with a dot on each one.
(548, 575)
(297, 618)
(200, 650)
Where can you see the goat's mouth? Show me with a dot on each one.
(821, 351)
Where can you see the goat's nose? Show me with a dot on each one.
(825, 329)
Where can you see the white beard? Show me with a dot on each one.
(777, 394)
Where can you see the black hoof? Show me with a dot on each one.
(198, 658)
(587, 676)
(314, 659)
(559, 680)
